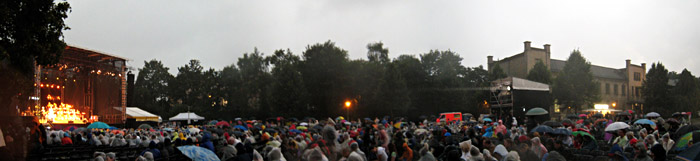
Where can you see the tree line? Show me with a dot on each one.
(316, 83)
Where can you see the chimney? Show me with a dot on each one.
(627, 63)
(527, 45)
(546, 48)
(489, 62)
(644, 66)
(548, 55)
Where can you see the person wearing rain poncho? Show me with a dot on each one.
(489, 132)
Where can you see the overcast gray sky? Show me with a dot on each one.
(218, 32)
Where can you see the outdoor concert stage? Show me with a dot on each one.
(85, 86)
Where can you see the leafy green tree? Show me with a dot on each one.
(411, 69)
(443, 68)
(497, 73)
(574, 87)
(233, 99)
(655, 89)
(685, 92)
(394, 94)
(540, 73)
(289, 95)
(151, 88)
(476, 77)
(325, 76)
(255, 78)
(377, 53)
(187, 89)
(32, 31)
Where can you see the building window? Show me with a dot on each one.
(624, 90)
(615, 89)
(637, 76)
(607, 88)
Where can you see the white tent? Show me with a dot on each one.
(186, 116)
(139, 114)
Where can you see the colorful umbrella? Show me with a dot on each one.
(112, 128)
(582, 115)
(682, 142)
(582, 133)
(302, 128)
(616, 126)
(212, 122)
(487, 120)
(118, 132)
(198, 153)
(240, 127)
(69, 128)
(644, 122)
(98, 125)
(223, 123)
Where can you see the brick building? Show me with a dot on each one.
(619, 88)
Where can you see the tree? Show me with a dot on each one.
(443, 68)
(574, 86)
(655, 89)
(412, 71)
(289, 95)
(325, 76)
(151, 88)
(540, 73)
(497, 73)
(685, 92)
(255, 80)
(32, 31)
(187, 89)
(377, 53)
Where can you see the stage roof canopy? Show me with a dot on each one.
(186, 116)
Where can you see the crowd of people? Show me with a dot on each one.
(389, 140)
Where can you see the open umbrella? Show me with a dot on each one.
(582, 115)
(542, 129)
(168, 129)
(223, 123)
(145, 126)
(212, 122)
(567, 122)
(684, 130)
(112, 128)
(98, 125)
(561, 131)
(599, 121)
(240, 127)
(488, 120)
(644, 122)
(653, 114)
(582, 133)
(552, 124)
(616, 126)
(118, 132)
(302, 128)
(600, 115)
(692, 153)
(536, 111)
(198, 153)
(683, 141)
(194, 130)
(69, 128)
(80, 129)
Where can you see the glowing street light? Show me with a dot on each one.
(347, 109)
(347, 104)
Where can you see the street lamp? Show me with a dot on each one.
(347, 109)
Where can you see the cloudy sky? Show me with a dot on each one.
(218, 32)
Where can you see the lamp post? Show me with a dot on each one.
(347, 109)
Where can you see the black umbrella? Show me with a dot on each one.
(692, 153)
(238, 133)
(598, 115)
(676, 114)
(270, 130)
(553, 124)
(542, 129)
(567, 121)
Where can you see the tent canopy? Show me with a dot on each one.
(519, 84)
(139, 114)
(185, 116)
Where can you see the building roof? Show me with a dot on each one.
(597, 71)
